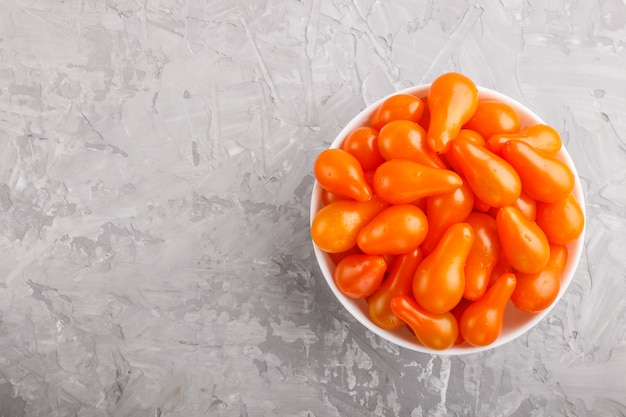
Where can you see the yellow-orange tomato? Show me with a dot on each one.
(493, 180)
(535, 292)
(435, 331)
(562, 221)
(482, 322)
(483, 256)
(336, 226)
(362, 143)
(340, 173)
(524, 244)
(493, 117)
(404, 139)
(395, 230)
(541, 137)
(452, 100)
(544, 176)
(440, 279)
(399, 181)
(397, 107)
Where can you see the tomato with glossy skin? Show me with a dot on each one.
(524, 243)
(483, 255)
(397, 107)
(470, 135)
(358, 276)
(435, 331)
(398, 282)
(443, 211)
(399, 181)
(404, 139)
(544, 177)
(440, 279)
(481, 323)
(452, 101)
(493, 180)
(362, 143)
(493, 117)
(541, 137)
(340, 173)
(562, 221)
(526, 204)
(397, 229)
(536, 292)
(336, 226)
(337, 257)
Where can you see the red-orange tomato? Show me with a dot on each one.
(544, 177)
(536, 292)
(501, 267)
(397, 107)
(397, 229)
(443, 211)
(541, 137)
(483, 256)
(457, 312)
(482, 322)
(336, 226)
(524, 244)
(493, 117)
(399, 181)
(452, 101)
(493, 180)
(440, 279)
(362, 143)
(398, 282)
(340, 173)
(337, 257)
(435, 331)
(404, 139)
(562, 221)
(358, 276)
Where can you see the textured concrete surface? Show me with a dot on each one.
(155, 176)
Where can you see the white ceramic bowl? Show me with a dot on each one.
(516, 322)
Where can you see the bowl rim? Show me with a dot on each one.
(403, 337)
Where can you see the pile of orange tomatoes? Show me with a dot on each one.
(444, 208)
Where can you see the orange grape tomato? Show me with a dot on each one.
(398, 282)
(452, 101)
(470, 135)
(440, 279)
(541, 137)
(544, 177)
(443, 211)
(341, 173)
(404, 139)
(399, 181)
(493, 117)
(397, 229)
(536, 292)
(482, 322)
(523, 242)
(336, 226)
(397, 107)
(362, 143)
(483, 255)
(435, 331)
(562, 221)
(493, 180)
(358, 276)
